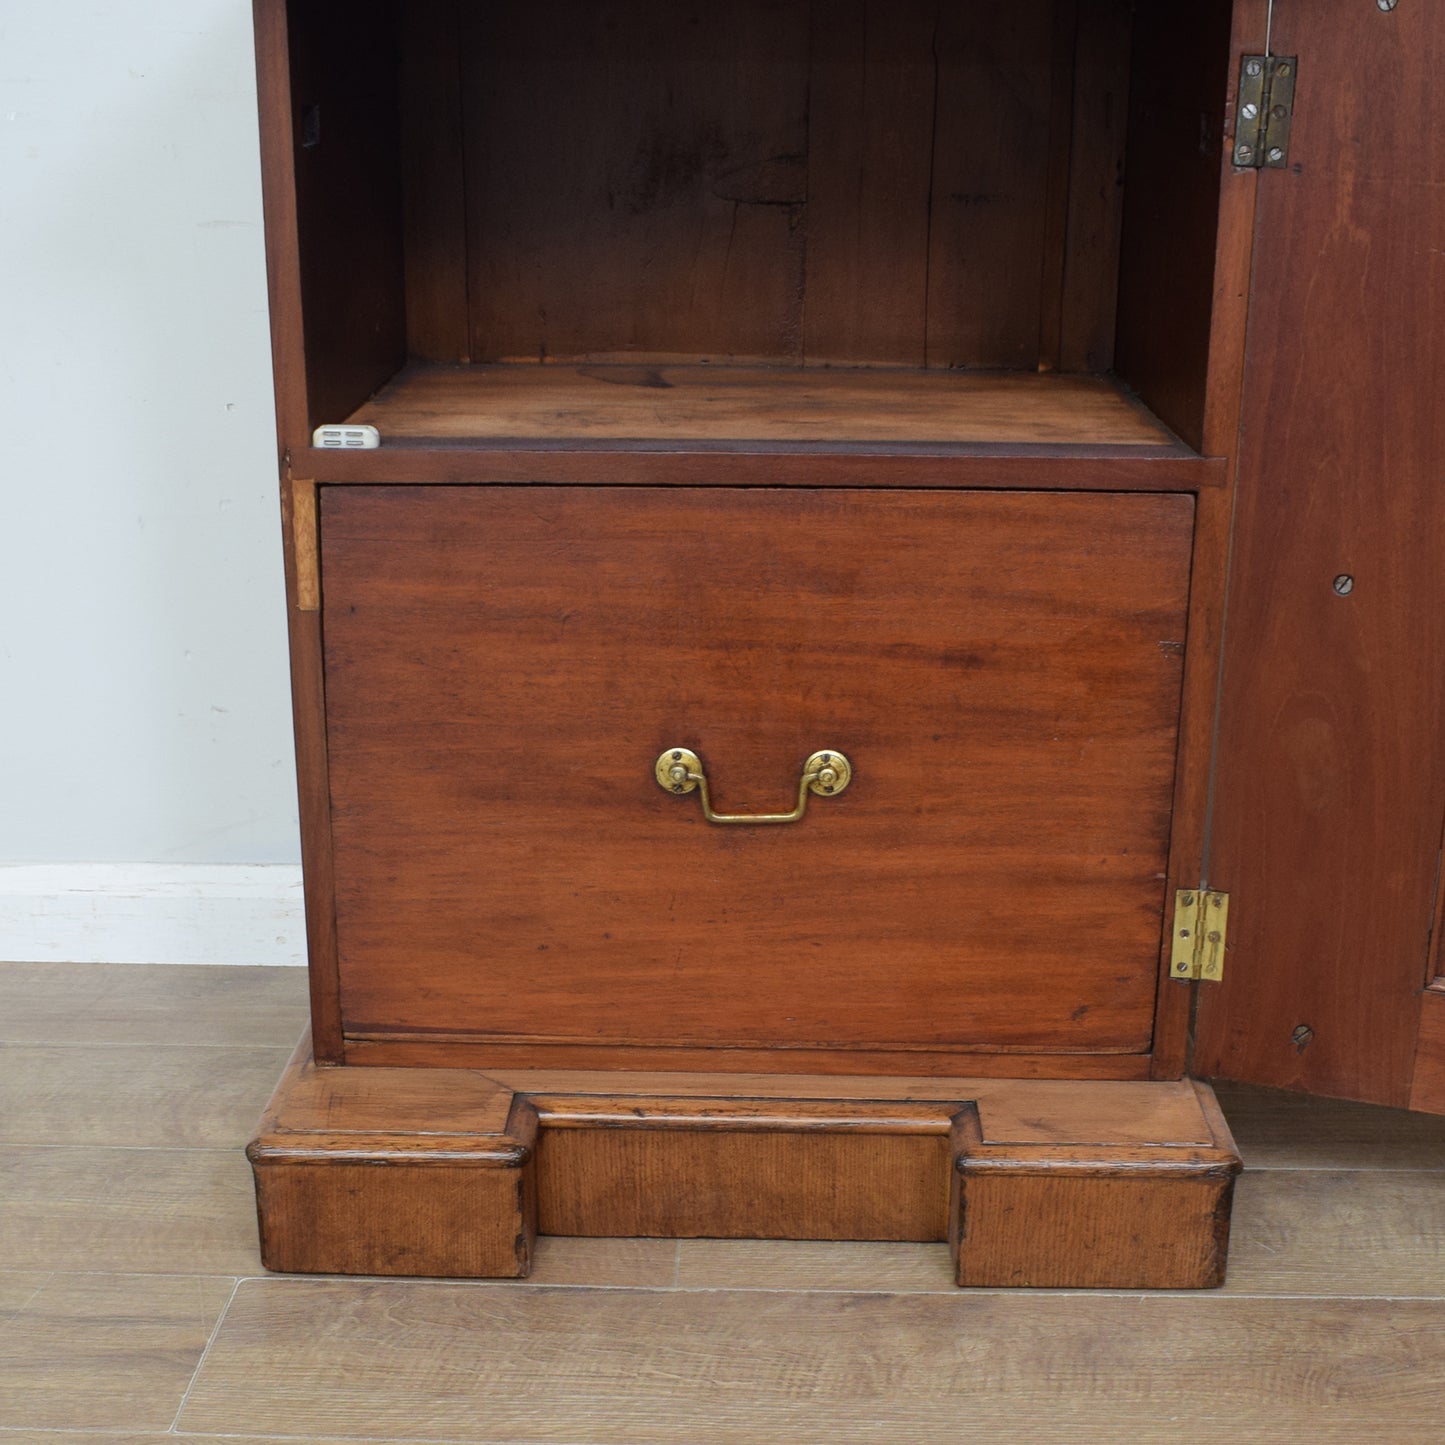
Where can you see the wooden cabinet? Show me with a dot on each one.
(806, 380)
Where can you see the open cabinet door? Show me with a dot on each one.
(1330, 773)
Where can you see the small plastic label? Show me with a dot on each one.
(351, 438)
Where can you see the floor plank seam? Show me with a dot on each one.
(205, 1353)
(1017, 1296)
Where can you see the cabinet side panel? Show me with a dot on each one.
(344, 117)
(1331, 774)
(1176, 126)
(299, 507)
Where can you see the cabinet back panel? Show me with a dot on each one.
(504, 665)
(788, 181)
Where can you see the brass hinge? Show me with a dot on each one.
(1201, 922)
(1264, 110)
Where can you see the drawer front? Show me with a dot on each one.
(505, 665)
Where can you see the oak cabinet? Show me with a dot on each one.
(760, 704)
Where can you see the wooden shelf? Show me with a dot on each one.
(699, 404)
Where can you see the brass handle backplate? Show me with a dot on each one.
(679, 770)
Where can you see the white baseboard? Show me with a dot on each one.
(152, 913)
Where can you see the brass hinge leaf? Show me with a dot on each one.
(1201, 926)
(1264, 110)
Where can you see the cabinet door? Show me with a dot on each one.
(1330, 788)
(505, 665)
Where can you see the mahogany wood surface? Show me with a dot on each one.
(1171, 209)
(1089, 275)
(1188, 834)
(504, 666)
(429, 1173)
(1331, 777)
(1070, 1214)
(278, 191)
(681, 1183)
(347, 198)
(629, 464)
(873, 87)
(681, 404)
(428, 1051)
(863, 180)
(1233, 253)
(433, 1171)
(308, 716)
(434, 239)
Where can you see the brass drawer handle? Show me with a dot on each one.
(679, 770)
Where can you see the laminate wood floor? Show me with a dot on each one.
(133, 1307)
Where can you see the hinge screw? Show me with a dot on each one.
(1188, 900)
(1253, 67)
(1243, 155)
(1387, 4)
(1249, 110)
(1275, 154)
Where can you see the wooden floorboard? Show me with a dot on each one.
(126, 1221)
(486, 1363)
(135, 1096)
(124, 1003)
(95, 1350)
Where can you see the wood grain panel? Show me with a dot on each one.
(347, 171)
(425, 1172)
(632, 464)
(308, 720)
(434, 188)
(989, 218)
(1089, 285)
(1331, 780)
(872, 100)
(278, 192)
(1136, 1231)
(505, 665)
(1171, 207)
(651, 201)
(692, 1183)
(682, 404)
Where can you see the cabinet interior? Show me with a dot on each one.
(826, 221)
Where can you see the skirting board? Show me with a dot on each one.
(152, 913)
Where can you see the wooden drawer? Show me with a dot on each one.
(504, 666)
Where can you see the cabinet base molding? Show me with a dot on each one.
(453, 1172)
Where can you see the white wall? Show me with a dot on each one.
(142, 660)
